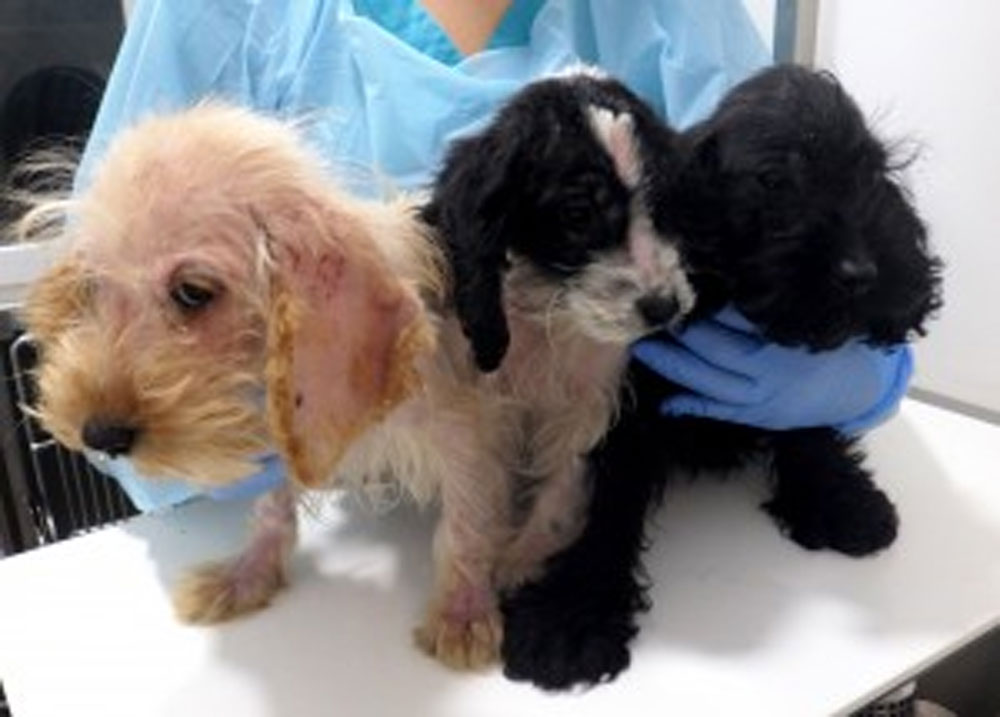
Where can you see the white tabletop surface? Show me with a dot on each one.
(745, 622)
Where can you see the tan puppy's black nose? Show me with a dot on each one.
(108, 436)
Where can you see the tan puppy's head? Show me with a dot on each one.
(217, 299)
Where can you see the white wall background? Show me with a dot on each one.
(930, 70)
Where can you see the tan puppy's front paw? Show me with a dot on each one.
(221, 591)
(463, 633)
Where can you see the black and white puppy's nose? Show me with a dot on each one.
(656, 309)
(115, 438)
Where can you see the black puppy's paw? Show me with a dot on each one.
(562, 641)
(856, 522)
(824, 497)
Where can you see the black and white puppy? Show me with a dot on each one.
(788, 207)
(545, 219)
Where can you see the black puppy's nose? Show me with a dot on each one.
(655, 309)
(112, 437)
(857, 275)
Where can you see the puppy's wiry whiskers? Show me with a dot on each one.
(44, 222)
(555, 305)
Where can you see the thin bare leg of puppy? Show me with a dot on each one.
(220, 591)
(555, 521)
(557, 441)
(463, 628)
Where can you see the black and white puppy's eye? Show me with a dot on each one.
(191, 296)
(576, 213)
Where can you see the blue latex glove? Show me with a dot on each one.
(148, 494)
(382, 91)
(734, 374)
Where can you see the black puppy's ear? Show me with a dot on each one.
(471, 198)
(702, 162)
(911, 272)
(689, 202)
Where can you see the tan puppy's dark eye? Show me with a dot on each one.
(191, 297)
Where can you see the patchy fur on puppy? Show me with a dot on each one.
(787, 206)
(219, 298)
(545, 219)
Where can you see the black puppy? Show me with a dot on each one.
(786, 206)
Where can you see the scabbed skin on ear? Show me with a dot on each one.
(343, 340)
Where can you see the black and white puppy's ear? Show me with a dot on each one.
(471, 197)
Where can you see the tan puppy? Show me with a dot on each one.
(218, 298)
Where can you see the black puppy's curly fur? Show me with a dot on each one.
(786, 206)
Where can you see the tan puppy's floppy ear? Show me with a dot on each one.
(343, 338)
